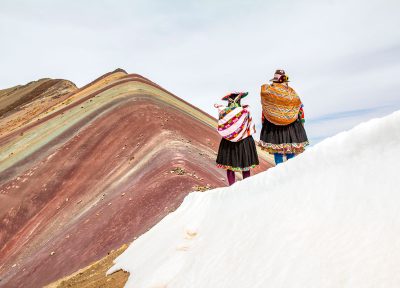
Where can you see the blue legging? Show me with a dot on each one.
(279, 157)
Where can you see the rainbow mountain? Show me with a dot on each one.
(86, 170)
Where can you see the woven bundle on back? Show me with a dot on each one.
(235, 123)
(280, 103)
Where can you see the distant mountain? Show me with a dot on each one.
(20, 104)
(83, 171)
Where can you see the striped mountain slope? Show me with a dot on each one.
(94, 170)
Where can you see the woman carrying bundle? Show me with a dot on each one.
(237, 150)
(283, 132)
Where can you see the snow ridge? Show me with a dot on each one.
(327, 218)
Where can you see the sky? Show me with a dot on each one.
(342, 57)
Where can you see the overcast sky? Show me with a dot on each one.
(343, 57)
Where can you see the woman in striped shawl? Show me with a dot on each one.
(283, 132)
(237, 150)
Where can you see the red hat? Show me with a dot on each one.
(280, 76)
(234, 95)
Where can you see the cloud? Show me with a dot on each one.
(347, 114)
(331, 124)
(341, 56)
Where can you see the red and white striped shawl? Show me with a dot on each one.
(235, 123)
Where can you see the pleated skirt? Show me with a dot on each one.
(283, 139)
(237, 156)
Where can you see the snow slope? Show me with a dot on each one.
(328, 218)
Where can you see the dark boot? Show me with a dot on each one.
(246, 174)
(231, 177)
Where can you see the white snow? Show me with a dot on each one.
(327, 218)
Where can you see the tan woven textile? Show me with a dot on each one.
(280, 103)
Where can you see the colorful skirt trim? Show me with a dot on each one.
(284, 148)
(236, 169)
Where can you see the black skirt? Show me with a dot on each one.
(237, 156)
(283, 139)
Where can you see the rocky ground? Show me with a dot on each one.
(94, 275)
